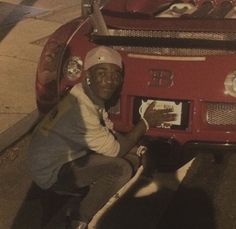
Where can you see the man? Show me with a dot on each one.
(75, 145)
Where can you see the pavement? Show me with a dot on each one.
(24, 28)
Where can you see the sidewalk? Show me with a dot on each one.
(24, 28)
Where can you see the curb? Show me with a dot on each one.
(13, 133)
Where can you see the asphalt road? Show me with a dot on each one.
(205, 198)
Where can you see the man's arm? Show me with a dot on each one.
(152, 118)
(128, 141)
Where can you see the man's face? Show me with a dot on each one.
(105, 79)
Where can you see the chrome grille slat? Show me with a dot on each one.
(172, 51)
(215, 36)
(221, 114)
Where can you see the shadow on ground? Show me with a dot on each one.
(11, 14)
(39, 208)
(164, 209)
(192, 206)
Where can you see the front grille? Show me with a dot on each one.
(221, 114)
(214, 36)
(213, 43)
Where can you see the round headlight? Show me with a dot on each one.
(230, 84)
(73, 68)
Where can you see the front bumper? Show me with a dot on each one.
(169, 155)
(209, 146)
(192, 146)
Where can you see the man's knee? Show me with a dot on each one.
(122, 169)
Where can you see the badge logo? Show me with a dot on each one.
(161, 78)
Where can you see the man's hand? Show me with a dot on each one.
(157, 117)
(134, 150)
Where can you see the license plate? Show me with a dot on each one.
(179, 107)
(163, 104)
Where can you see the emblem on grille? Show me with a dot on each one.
(161, 78)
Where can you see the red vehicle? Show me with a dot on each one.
(181, 54)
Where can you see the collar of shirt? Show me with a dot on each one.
(80, 94)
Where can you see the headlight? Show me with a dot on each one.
(230, 84)
(73, 68)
